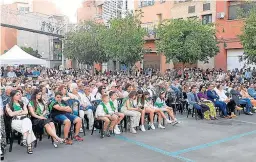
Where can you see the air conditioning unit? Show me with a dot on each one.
(221, 15)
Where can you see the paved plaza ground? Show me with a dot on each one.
(232, 140)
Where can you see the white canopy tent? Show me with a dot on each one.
(17, 56)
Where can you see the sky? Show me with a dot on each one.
(67, 7)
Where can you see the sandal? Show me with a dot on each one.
(29, 149)
(24, 142)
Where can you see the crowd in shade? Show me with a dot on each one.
(38, 98)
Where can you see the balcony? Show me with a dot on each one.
(98, 16)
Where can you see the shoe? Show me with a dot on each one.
(168, 121)
(29, 149)
(132, 130)
(233, 116)
(117, 128)
(78, 138)
(68, 141)
(142, 128)
(116, 131)
(160, 126)
(152, 126)
(250, 113)
(212, 118)
(23, 143)
(107, 133)
(55, 144)
(81, 130)
(216, 118)
(227, 117)
(175, 122)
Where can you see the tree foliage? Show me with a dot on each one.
(248, 38)
(125, 39)
(85, 43)
(186, 41)
(31, 51)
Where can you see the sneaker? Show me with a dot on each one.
(168, 121)
(132, 130)
(78, 138)
(152, 126)
(175, 122)
(55, 144)
(117, 128)
(250, 113)
(68, 141)
(81, 130)
(142, 128)
(160, 126)
(107, 133)
(116, 131)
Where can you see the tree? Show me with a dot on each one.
(31, 51)
(85, 43)
(124, 39)
(186, 41)
(248, 38)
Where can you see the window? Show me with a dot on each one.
(191, 9)
(193, 17)
(150, 29)
(235, 8)
(162, 1)
(206, 19)
(206, 6)
(159, 17)
(145, 3)
(24, 9)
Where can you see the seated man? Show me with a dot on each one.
(62, 113)
(195, 102)
(106, 112)
(87, 106)
(251, 91)
(213, 96)
(113, 102)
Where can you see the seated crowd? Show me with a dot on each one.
(50, 101)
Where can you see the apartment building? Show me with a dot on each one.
(28, 14)
(225, 14)
(153, 13)
(229, 28)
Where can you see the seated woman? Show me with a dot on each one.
(245, 94)
(203, 98)
(130, 110)
(231, 105)
(20, 122)
(60, 112)
(101, 91)
(113, 102)
(140, 103)
(237, 97)
(106, 112)
(160, 103)
(38, 112)
(149, 104)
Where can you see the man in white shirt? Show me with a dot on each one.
(113, 101)
(11, 73)
(87, 106)
(105, 111)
